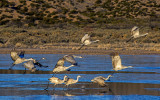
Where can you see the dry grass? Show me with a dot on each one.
(69, 38)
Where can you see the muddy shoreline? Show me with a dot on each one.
(83, 52)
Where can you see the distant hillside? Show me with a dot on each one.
(79, 12)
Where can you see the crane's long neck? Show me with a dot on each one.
(108, 77)
(144, 34)
(64, 78)
(77, 56)
(95, 41)
(77, 79)
(69, 66)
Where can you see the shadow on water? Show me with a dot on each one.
(5, 71)
(84, 88)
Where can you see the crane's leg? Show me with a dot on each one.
(80, 47)
(67, 87)
(112, 75)
(47, 86)
(11, 67)
(24, 71)
(64, 86)
(129, 39)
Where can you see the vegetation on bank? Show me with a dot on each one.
(34, 37)
(77, 12)
(52, 23)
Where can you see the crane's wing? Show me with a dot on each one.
(135, 30)
(29, 65)
(70, 59)
(60, 62)
(101, 77)
(85, 37)
(53, 78)
(14, 55)
(21, 54)
(130, 39)
(81, 47)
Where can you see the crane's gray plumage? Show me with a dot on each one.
(18, 58)
(60, 63)
(59, 67)
(116, 62)
(70, 59)
(101, 80)
(30, 65)
(135, 33)
(86, 41)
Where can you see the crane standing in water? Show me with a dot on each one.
(56, 81)
(100, 80)
(70, 81)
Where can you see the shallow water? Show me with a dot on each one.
(140, 82)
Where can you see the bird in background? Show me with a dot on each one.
(101, 80)
(70, 81)
(116, 62)
(86, 41)
(135, 33)
(56, 81)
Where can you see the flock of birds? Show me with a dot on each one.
(31, 64)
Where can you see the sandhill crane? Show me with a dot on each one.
(16, 57)
(60, 63)
(86, 41)
(135, 33)
(116, 62)
(31, 65)
(70, 59)
(59, 67)
(100, 80)
(56, 80)
(71, 81)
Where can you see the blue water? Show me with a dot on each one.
(29, 83)
(89, 97)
